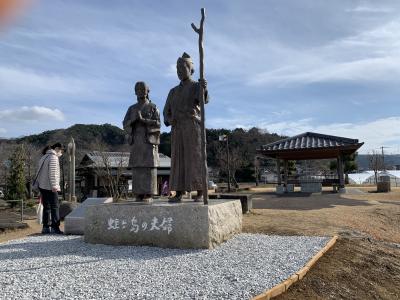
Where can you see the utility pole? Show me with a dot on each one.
(383, 158)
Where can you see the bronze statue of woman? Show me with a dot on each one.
(142, 125)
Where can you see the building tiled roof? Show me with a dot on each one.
(116, 160)
(309, 140)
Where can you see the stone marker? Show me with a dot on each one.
(183, 225)
(74, 223)
(245, 200)
(66, 208)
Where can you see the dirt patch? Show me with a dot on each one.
(10, 219)
(352, 269)
(372, 215)
(12, 234)
(364, 263)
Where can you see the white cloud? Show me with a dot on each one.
(2, 130)
(25, 81)
(372, 69)
(171, 71)
(376, 133)
(33, 113)
(370, 9)
(371, 55)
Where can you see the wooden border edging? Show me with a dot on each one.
(284, 286)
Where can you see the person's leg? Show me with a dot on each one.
(139, 197)
(46, 210)
(176, 198)
(199, 196)
(55, 212)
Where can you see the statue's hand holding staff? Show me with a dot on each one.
(203, 83)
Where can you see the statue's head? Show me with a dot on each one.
(184, 67)
(142, 89)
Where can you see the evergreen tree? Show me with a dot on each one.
(16, 175)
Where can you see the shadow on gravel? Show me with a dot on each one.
(303, 201)
(44, 248)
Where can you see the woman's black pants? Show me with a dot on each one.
(50, 207)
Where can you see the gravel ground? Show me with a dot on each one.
(64, 267)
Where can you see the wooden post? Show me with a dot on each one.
(278, 170)
(256, 168)
(200, 32)
(285, 164)
(340, 170)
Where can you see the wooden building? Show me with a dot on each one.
(96, 165)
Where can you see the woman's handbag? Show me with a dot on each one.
(35, 184)
(39, 211)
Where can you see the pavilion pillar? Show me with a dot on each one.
(278, 171)
(286, 172)
(340, 170)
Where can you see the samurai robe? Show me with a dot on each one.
(144, 138)
(182, 112)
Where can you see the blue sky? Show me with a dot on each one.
(285, 66)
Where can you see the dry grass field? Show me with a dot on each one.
(364, 263)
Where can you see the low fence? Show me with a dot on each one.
(395, 182)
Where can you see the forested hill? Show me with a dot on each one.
(113, 137)
(86, 137)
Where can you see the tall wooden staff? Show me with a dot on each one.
(200, 32)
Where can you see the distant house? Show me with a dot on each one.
(94, 165)
(368, 177)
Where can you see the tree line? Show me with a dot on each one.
(21, 156)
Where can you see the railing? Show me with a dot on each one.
(328, 179)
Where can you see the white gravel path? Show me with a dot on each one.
(65, 267)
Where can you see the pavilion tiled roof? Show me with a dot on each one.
(309, 140)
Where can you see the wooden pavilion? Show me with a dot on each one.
(309, 146)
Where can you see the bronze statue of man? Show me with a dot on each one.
(182, 113)
(142, 125)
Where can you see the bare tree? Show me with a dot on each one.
(236, 160)
(32, 155)
(375, 163)
(109, 170)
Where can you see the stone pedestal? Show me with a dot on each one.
(311, 187)
(74, 222)
(290, 188)
(182, 225)
(280, 189)
(245, 200)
